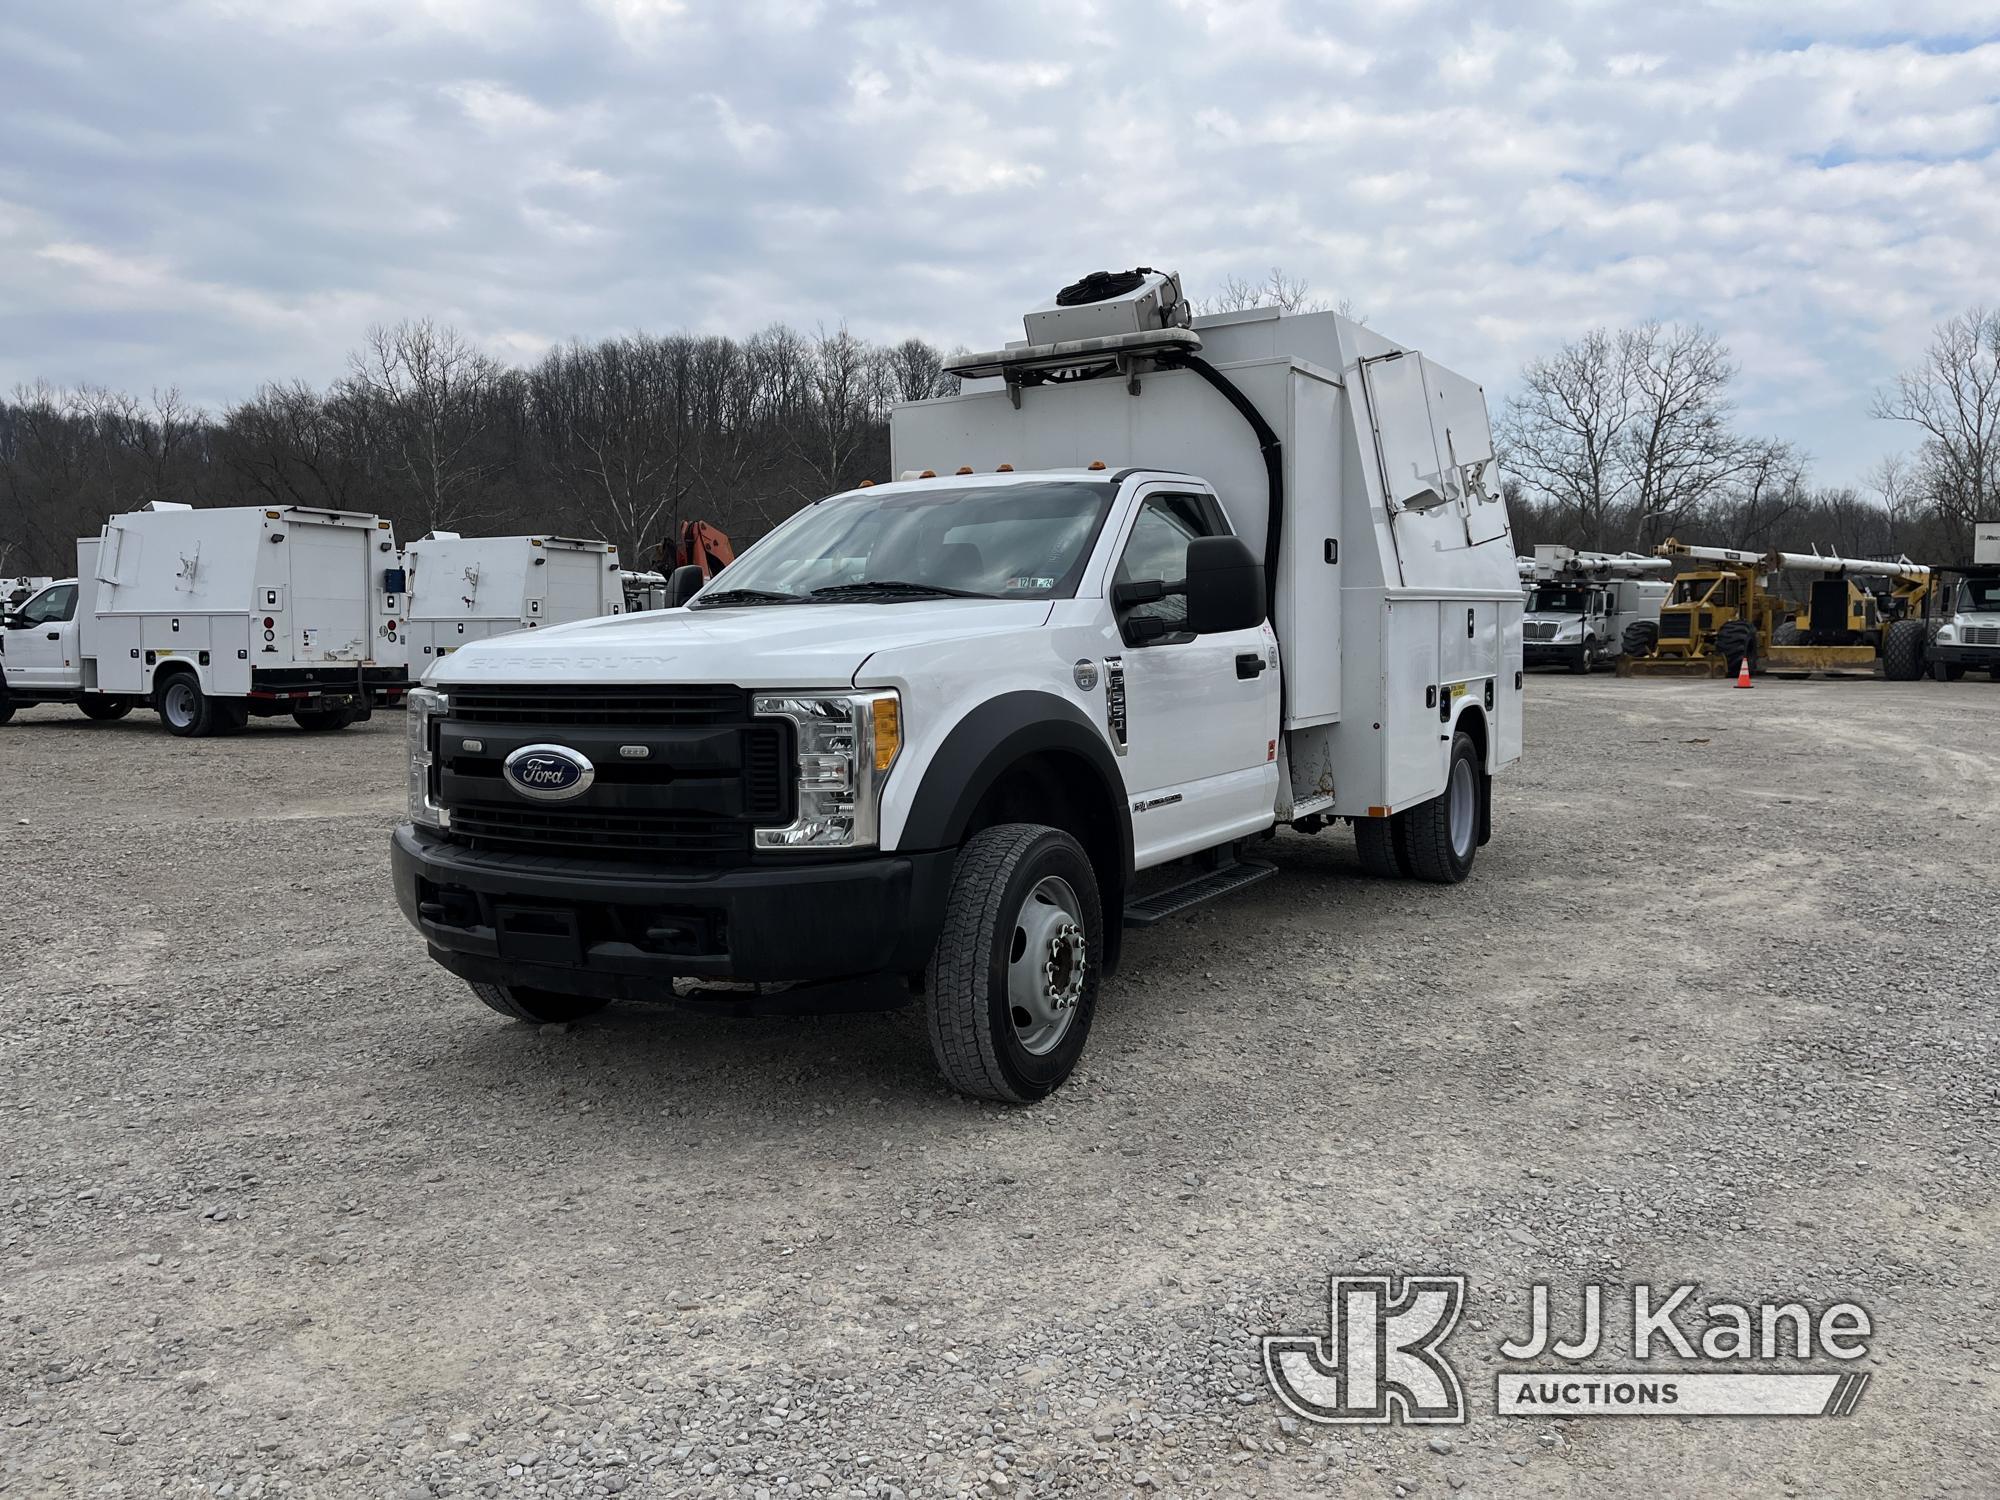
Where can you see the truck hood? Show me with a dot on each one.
(766, 646)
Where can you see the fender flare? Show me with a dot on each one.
(985, 743)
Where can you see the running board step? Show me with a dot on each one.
(1190, 893)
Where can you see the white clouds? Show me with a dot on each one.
(245, 187)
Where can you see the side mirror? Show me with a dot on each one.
(683, 585)
(1225, 586)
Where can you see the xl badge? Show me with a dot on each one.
(548, 773)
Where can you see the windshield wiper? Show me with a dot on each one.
(895, 586)
(746, 596)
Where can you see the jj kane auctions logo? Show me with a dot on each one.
(1381, 1359)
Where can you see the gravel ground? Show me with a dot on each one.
(282, 1210)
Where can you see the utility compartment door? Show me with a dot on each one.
(330, 591)
(1310, 569)
(575, 585)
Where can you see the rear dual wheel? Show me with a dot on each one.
(1436, 840)
(185, 710)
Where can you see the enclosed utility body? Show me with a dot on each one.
(1147, 591)
(214, 615)
(465, 588)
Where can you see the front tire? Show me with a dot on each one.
(185, 710)
(1640, 637)
(6, 704)
(102, 709)
(1442, 835)
(1903, 651)
(1011, 986)
(537, 1007)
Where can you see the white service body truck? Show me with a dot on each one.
(1969, 638)
(212, 615)
(1581, 605)
(466, 588)
(1155, 589)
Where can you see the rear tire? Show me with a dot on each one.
(1375, 838)
(1788, 634)
(102, 709)
(185, 710)
(319, 720)
(1641, 636)
(537, 1007)
(1442, 835)
(1011, 986)
(1903, 651)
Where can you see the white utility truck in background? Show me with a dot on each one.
(212, 615)
(15, 591)
(1968, 638)
(1582, 603)
(465, 588)
(1153, 588)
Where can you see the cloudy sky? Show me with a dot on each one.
(214, 193)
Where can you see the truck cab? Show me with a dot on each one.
(958, 731)
(1568, 623)
(1968, 637)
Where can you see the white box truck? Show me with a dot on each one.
(466, 588)
(1584, 606)
(1968, 636)
(212, 615)
(1154, 588)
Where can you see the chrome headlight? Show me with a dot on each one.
(1947, 633)
(846, 744)
(424, 705)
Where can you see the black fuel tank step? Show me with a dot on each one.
(1207, 886)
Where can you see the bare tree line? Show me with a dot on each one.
(1621, 438)
(621, 439)
(1617, 439)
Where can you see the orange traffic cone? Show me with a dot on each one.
(1743, 672)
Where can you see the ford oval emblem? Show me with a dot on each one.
(548, 773)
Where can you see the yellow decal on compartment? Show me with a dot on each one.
(1460, 689)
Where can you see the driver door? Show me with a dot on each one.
(39, 640)
(1201, 712)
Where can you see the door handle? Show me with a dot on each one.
(55, 635)
(1250, 664)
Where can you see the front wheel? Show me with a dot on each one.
(101, 708)
(1948, 671)
(1012, 983)
(537, 1007)
(1903, 651)
(1442, 835)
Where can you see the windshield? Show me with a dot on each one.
(1980, 595)
(1693, 588)
(1554, 600)
(1004, 541)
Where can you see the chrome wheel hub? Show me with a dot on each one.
(1048, 962)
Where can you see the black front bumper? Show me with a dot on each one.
(1547, 653)
(1963, 656)
(625, 931)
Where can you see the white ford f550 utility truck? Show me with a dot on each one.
(1154, 588)
(210, 616)
(465, 588)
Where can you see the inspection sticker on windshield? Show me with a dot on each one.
(1031, 583)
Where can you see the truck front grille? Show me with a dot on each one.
(622, 835)
(1674, 627)
(625, 706)
(684, 775)
(1539, 630)
(1980, 635)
